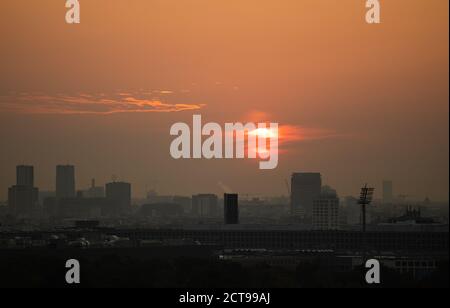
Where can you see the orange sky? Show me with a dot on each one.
(371, 101)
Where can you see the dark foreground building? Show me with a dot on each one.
(231, 237)
(187, 257)
(231, 209)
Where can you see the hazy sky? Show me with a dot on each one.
(366, 102)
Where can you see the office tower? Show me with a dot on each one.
(22, 200)
(23, 197)
(388, 194)
(325, 211)
(25, 176)
(231, 209)
(65, 182)
(119, 196)
(305, 188)
(205, 205)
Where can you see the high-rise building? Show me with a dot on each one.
(388, 193)
(325, 212)
(23, 197)
(205, 205)
(119, 196)
(305, 188)
(231, 209)
(22, 200)
(25, 176)
(65, 182)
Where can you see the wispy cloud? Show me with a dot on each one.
(289, 133)
(90, 103)
(293, 133)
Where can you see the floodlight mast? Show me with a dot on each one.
(366, 197)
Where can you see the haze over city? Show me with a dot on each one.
(103, 95)
(218, 147)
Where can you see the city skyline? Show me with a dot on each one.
(218, 147)
(25, 174)
(359, 103)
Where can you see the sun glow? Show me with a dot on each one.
(264, 133)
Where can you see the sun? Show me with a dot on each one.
(264, 133)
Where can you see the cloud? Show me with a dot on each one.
(294, 133)
(289, 135)
(89, 103)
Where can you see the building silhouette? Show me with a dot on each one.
(205, 205)
(25, 176)
(82, 208)
(65, 182)
(305, 188)
(161, 210)
(231, 209)
(184, 202)
(325, 215)
(118, 195)
(23, 197)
